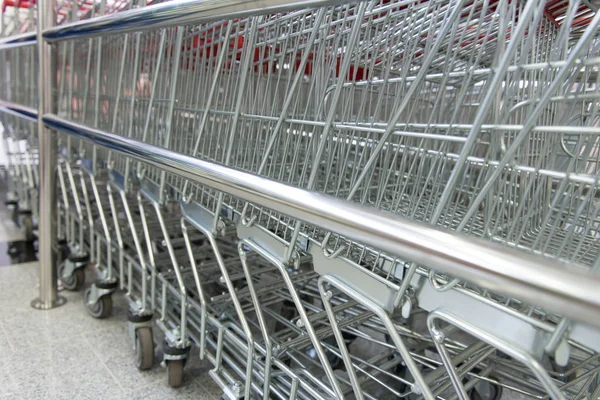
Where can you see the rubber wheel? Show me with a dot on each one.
(13, 250)
(28, 227)
(495, 393)
(74, 282)
(101, 309)
(175, 372)
(144, 348)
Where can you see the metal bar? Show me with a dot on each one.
(19, 110)
(20, 38)
(48, 297)
(6, 46)
(177, 12)
(557, 287)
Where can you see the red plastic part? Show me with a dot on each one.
(17, 4)
(264, 59)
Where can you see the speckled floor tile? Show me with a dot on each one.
(65, 354)
(6, 346)
(193, 390)
(19, 280)
(211, 388)
(24, 325)
(35, 330)
(86, 390)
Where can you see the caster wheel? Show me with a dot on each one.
(485, 391)
(74, 282)
(13, 250)
(101, 309)
(144, 348)
(175, 372)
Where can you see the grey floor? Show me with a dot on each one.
(65, 354)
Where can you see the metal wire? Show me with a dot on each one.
(475, 116)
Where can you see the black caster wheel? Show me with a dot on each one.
(485, 391)
(13, 250)
(175, 372)
(74, 282)
(28, 228)
(101, 309)
(144, 348)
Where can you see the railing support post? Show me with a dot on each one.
(47, 164)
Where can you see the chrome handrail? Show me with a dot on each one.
(26, 112)
(24, 39)
(177, 12)
(555, 286)
(565, 289)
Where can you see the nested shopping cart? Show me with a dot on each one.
(476, 117)
(20, 86)
(19, 144)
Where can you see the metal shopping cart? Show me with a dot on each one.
(478, 117)
(460, 115)
(18, 19)
(19, 145)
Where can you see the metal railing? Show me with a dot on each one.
(531, 282)
(558, 287)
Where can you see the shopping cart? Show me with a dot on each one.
(19, 139)
(461, 115)
(81, 71)
(474, 116)
(20, 87)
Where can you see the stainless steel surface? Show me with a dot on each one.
(568, 290)
(177, 12)
(22, 111)
(23, 38)
(349, 135)
(6, 46)
(48, 297)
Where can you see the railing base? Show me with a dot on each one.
(38, 304)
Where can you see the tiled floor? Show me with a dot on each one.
(65, 354)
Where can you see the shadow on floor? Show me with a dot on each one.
(17, 252)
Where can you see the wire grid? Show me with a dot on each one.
(334, 100)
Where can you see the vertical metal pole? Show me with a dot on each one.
(47, 163)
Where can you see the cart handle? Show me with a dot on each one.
(177, 12)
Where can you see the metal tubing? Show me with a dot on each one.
(28, 113)
(47, 163)
(6, 46)
(23, 39)
(557, 287)
(177, 12)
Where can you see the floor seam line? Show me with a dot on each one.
(104, 365)
(12, 347)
